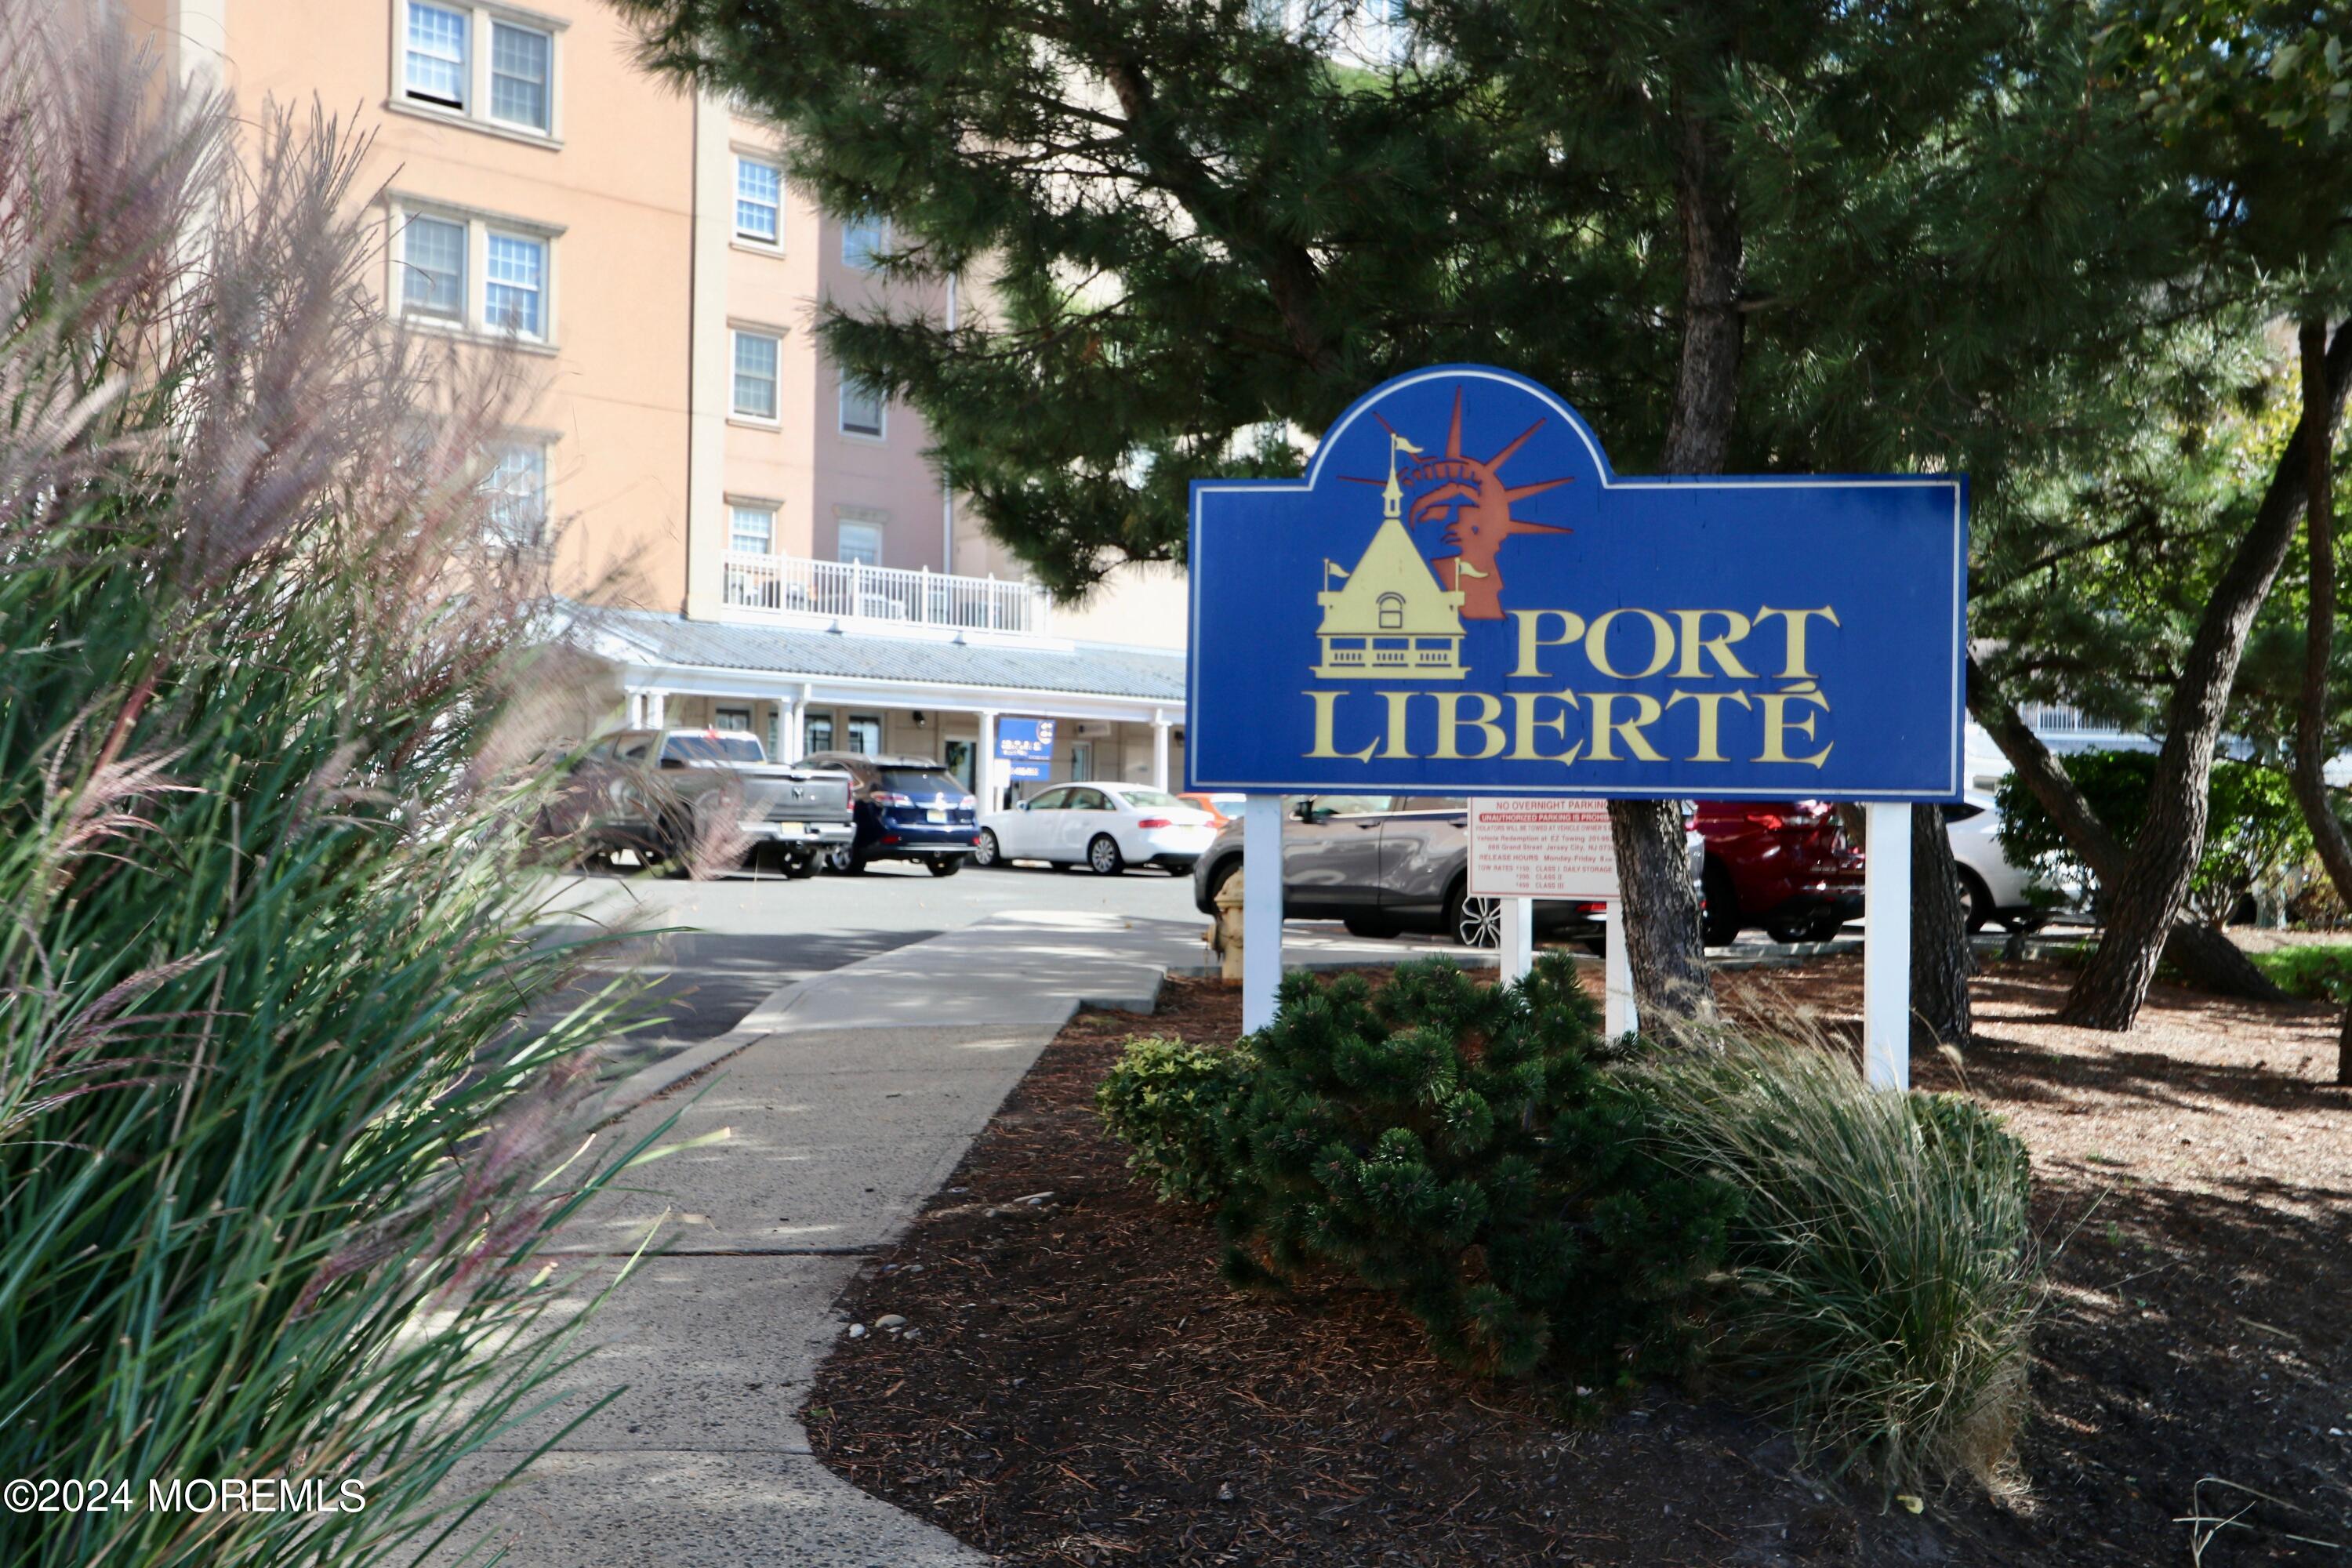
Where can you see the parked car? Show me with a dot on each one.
(1384, 864)
(655, 791)
(1108, 826)
(1992, 888)
(1220, 806)
(1784, 865)
(909, 808)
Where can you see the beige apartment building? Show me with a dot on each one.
(756, 541)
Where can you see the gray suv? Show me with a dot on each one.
(1382, 863)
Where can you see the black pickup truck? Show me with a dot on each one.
(706, 799)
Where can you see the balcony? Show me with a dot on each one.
(884, 595)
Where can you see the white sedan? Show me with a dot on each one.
(1107, 827)
(1992, 888)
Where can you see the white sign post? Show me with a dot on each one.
(1522, 850)
(1886, 947)
(1261, 909)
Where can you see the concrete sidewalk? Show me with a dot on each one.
(848, 1099)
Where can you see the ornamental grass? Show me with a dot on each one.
(276, 1161)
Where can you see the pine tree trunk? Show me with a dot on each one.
(2311, 748)
(2211, 960)
(2141, 904)
(1941, 959)
(1662, 928)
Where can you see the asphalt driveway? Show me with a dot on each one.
(750, 934)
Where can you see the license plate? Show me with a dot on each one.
(935, 816)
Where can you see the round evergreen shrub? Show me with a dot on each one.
(1467, 1147)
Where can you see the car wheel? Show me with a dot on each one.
(1474, 923)
(984, 852)
(1975, 901)
(946, 864)
(1371, 926)
(1719, 927)
(1789, 928)
(797, 866)
(1103, 856)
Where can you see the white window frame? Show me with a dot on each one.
(869, 534)
(735, 335)
(405, 20)
(537, 332)
(545, 126)
(543, 446)
(774, 241)
(404, 271)
(881, 431)
(851, 228)
(477, 67)
(767, 509)
(474, 317)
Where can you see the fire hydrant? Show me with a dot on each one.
(1226, 936)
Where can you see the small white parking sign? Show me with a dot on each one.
(1542, 849)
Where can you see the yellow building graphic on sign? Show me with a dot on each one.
(1390, 619)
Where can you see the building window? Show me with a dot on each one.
(860, 545)
(755, 376)
(817, 732)
(751, 530)
(516, 486)
(759, 201)
(731, 719)
(433, 267)
(437, 69)
(509, 84)
(1392, 612)
(866, 734)
(439, 255)
(519, 58)
(513, 297)
(863, 239)
(861, 408)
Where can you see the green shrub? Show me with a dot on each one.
(1466, 1147)
(2254, 830)
(2321, 971)
(1173, 1104)
(1882, 1250)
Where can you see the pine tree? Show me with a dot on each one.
(2258, 100)
(1745, 235)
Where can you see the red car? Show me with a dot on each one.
(1784, 865)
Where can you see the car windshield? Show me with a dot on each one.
(919, 782)
(1153, 797)
(714, 747)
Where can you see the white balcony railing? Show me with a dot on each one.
(847, 590)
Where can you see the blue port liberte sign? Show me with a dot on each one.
(1460, 597)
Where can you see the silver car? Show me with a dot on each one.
(1382, 863)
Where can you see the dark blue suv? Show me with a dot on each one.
(907, 808)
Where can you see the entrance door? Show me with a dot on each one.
(960, 758)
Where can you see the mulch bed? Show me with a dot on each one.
(1074, 1384)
